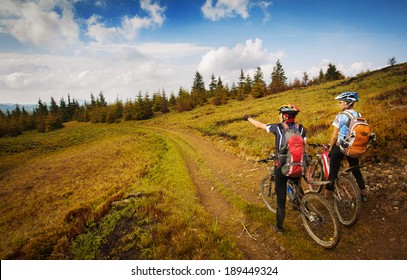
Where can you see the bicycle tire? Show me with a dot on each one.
(315, 172)
(320, 220)
(268, 192)
(347, 203)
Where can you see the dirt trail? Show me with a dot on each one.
(380, 233)
(215, 172)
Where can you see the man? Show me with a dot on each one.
(287, 114)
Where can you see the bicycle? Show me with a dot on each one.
(318, 216)
(347, 198)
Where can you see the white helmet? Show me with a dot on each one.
(348, 96)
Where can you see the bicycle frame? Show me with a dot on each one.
(318, 216)
(325, 162)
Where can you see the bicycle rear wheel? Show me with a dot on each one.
(347, 201)
(268, 192)
(320, 220)
(315, 172)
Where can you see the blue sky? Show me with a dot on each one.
(123, 47)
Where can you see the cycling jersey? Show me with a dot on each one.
(341, 121)
(279, 132)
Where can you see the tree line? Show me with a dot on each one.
(48, 117)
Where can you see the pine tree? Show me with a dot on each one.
(198, 91)
(321, 77)
(241, 86)
(63, 111)
(164, 103)
(332, 74)
(100, 101)
(157, 101)
(92, 100)
(53, 107)
(247, 88)
(278, 78)
(212, 86)
(259, 86)
(41, 113)
(241, 79)
(3, 124)
(139, 108)
(52, 122)
(128, 110)
(234, 92)
(305, 79)
(220, 94)
(173, 101)
(148, 107)
(184, 101)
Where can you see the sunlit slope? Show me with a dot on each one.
(382, 94)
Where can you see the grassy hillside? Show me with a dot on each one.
(383, 100)
(124, 191)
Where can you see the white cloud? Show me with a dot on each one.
(264, 5)
(347, 70)
(355, 68)
(100, 3)
(232, 8)
(118, 70)
(246, 56)
(100, 33)
(52, 25)
(130, 26)
(38, 23)
(225, 9)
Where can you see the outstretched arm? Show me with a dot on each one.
(257, 123)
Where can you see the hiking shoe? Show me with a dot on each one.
(277, 229)
(364, 197)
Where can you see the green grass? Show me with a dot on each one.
(65, 194)
(57, 195)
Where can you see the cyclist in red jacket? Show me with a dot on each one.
(287, 114)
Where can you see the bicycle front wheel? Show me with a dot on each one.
(315, 172)
(347, 201)
(268, 192)
(320, 220)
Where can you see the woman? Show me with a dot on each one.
(346, 103)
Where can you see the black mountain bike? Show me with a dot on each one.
(318, 216)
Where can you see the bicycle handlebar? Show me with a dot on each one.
(317, 145)
(273, 157)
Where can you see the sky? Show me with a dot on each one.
(56, 48)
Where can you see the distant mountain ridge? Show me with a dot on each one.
(10, 107)
(28, 107)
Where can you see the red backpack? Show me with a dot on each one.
(295, 147)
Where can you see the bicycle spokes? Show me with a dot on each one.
(320, 220)
(347, 202)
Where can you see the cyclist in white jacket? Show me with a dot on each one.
(346, 101)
